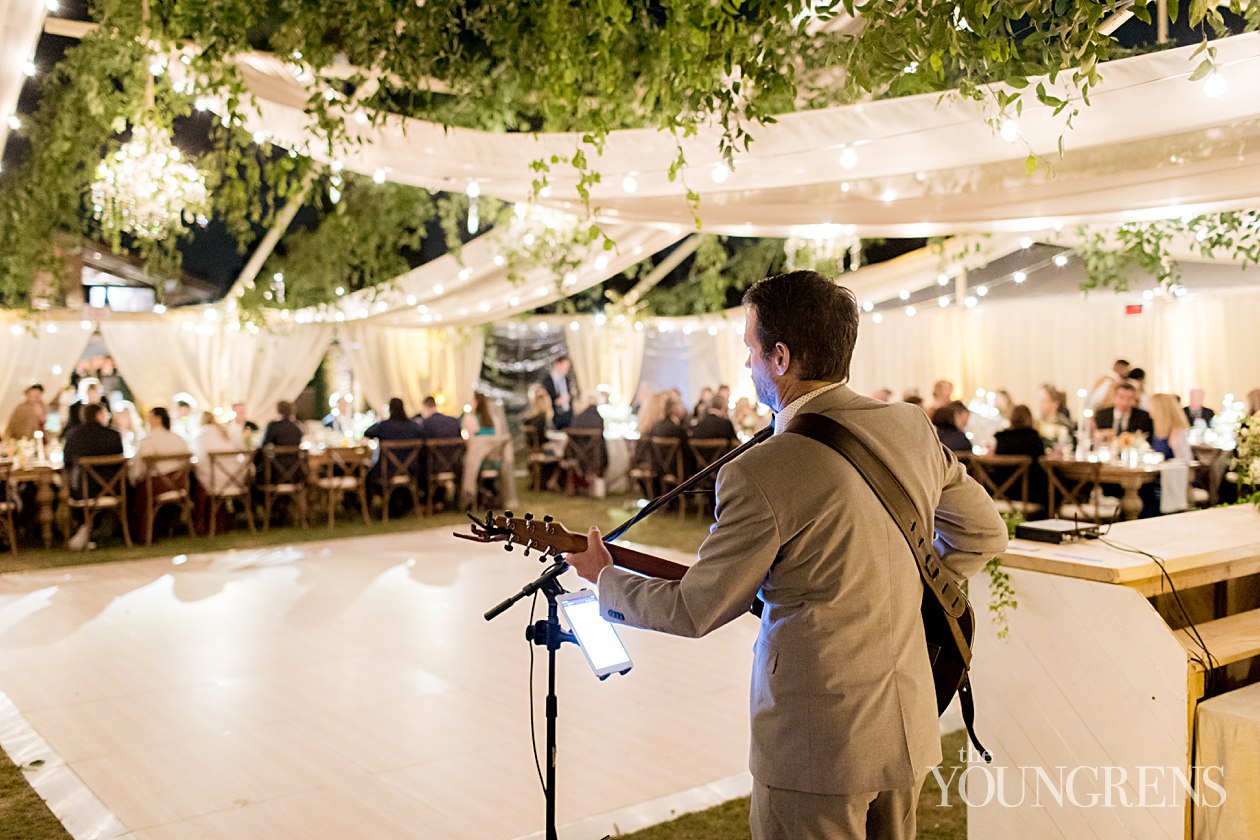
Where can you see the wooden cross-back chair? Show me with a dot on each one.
(583, 457)
(667, 463)
(444, 464)
(8, 504)
(1076, 491)
(102, 485)
(229, 479)
(706, 451)
(539, 458)
(398, 468)
(343, 472)
(166, 483)
(999, 475)
(283, 471)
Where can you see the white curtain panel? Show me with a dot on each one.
(1067, 341)
(606, 355)
(213, 362)
(37, 351)
(915, 166)
(412, 363)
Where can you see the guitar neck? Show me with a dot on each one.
(628, 558)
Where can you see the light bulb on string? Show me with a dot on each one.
(1019, 277)
(942, 279)
(720, 173)
(1060, 260)
(982, 290)
(848, 157)
(1215, 85)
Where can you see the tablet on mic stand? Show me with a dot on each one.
(595, 635)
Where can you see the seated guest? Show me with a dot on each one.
(1022, 439)
(479, 421)
(1170, 428)
(714, 424)
(586, 416)
(702, 405)
(159, 440)
(89, 394)
(1101, 394)
(538, 416)
(284, 430)
(942, 394)
(1003, 403)
(29, 416)
(127, 422)
(397, 426)
(560, 386)
(92, 436)
(341, 418)
(1253, 403)
(1052, 413)
(213, 437)
(1124, 415)
(672, 426)
(915, 399)
(1196, 410)
(724, 391)
(949, 421)
(435, 424)
(882, 394)
(240, 416)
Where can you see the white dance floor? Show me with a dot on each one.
(348, 688)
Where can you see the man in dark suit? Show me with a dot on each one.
(560, 386)
(435, 424)
(1196, 410)
(93, 436)
(714, 424)
(283, 431)
(91, 395)
(396, 427)
(1124, 415)
(671, 426)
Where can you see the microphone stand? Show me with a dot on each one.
(549, 633)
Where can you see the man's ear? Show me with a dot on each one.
(781, 358)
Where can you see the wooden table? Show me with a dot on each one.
(1130, 479)
(46, 479)
(1097, 672)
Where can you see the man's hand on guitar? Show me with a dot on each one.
(591, 562)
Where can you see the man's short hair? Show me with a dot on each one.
(164, 416)
(91, 412)
(1124, 362)
(816, 319)
(1137, 374)
(284, 408)
(429, 402)
(718, 403)
(35, 387)
(1125, 386)
(559, 359)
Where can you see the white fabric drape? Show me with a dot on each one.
(922, 166)
(36, 351)
(215, 363)
(412, 363)
(608, 355)
(1068, 341)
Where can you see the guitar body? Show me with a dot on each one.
(949, 666)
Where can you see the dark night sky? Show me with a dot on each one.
(213, 255)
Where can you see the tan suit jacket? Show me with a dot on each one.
(842, 699)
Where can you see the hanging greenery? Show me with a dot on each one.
(518, 65)
(1113, 256)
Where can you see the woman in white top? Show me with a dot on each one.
(215, 437)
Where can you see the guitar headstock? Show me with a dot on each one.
(545, 535)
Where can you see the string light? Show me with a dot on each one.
(970, 302)
(378, 176)
(867, 306)
(904, 294)
(942, 279)
(29, 68)
(1215, 85)
(720, 173)
(877, 318)
(629, 183)
(1060, 260)
(911, 311)
(942, 301)
(1019, 276)
(848, 157)
(982, 290)
(1009, 130)
(1025, 242)
(146, 189)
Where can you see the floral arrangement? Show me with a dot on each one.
(1247, 465)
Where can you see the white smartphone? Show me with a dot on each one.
(596, 636)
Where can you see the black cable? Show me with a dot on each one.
(533, 734)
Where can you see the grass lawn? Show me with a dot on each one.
(24, 816)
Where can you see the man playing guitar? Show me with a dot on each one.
(843, 707)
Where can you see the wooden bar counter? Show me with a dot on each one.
(1096, 672)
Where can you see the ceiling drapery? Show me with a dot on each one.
(915, 166)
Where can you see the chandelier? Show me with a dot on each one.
(146, 188)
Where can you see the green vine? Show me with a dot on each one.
(1001, 592)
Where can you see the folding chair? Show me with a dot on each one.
(999, 474)
(230, 474)
(102, 485)
(166, 483)
(444, 464)
(284, 471)
(398, 468)
(344, 470)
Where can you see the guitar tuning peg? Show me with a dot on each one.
(548, 519)
(526, 551)
(507, 546)
(508, 514)
(528, 517)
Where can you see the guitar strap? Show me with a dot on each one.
(892, 494)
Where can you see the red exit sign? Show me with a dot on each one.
(1133, 309)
